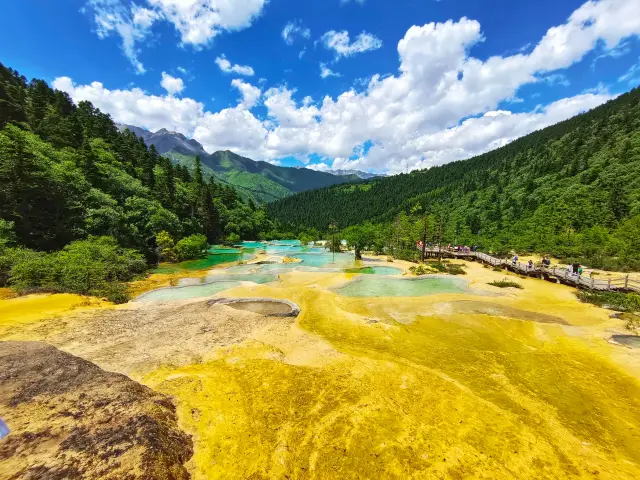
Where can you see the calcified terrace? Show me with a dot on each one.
(473, 382)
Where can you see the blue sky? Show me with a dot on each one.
(451, 78)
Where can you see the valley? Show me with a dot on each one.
(258, 181)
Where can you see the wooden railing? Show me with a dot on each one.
(625, 283)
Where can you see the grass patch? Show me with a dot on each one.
(430, 268)
(497, 268)
(504, 283)
(623, 302)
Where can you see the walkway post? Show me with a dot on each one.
(626, 281)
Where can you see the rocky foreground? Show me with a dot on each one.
(71, 419)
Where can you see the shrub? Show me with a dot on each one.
(623, 302)
(504, 283)
(419, 270)
(497, 268)
(454, 269)
(439, 266)
(191, 247)
(97, 266)
(233, 238)
(166, 246)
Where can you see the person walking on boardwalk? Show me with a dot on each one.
(514, 261)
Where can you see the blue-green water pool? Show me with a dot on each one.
(205, 287)
(376, 286)
(209, 261)
(182, 293)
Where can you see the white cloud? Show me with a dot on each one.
(342, 45)
(556, 79)
(227, 67)
(293, 29)
(250, 94)
(182, 70)
(327, 72)
(131, 24)
(321, 167)
(412, 118)
(197, 21)
(171, 84)
(631, 76)
(136, 107)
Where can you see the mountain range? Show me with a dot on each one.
(260, 181)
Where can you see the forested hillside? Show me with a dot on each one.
(572, 190)
(69, 179)
(253, 180)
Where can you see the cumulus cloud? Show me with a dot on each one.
(227, 67)
(327, 72)
(441, 105)
(136, 107)
(294, 29)
(344, 47)
(250, 94)
(197, 21)
(171, 84)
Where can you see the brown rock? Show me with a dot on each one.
(71, 419)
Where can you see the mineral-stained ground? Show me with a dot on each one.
(71, 419)
(480, 383)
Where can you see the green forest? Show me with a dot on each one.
(571, 191)
(261, 181)
(82, 204)
(85, 208)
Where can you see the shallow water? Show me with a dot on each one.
(631, 341)
(373, 286)
(326, 259)
(204, 287)
(375, 270)
(203, 263)
(183, 293)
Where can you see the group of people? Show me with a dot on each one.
(546, 262)
(574, 269)
(462, 248)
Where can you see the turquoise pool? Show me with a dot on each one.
(375, 286)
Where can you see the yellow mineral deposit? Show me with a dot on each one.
(487, 383)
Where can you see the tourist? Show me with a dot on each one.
(530, 265)
(575, 266)
(514, 261)
(546, 262)
(580, 270)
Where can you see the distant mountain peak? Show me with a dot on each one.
(166, 140)
(357, 173)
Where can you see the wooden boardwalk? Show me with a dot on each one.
(557, 274)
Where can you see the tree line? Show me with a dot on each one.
(571, 190)
(71, 182)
